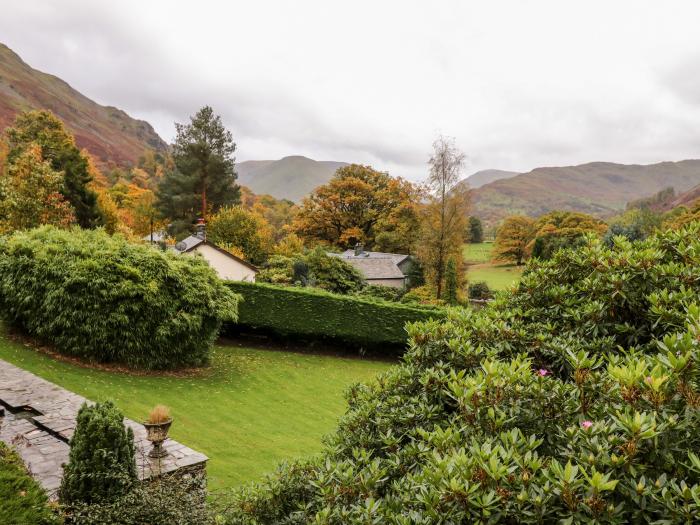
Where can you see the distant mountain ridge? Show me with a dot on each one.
(483, 177)
(108, 133)
(598, 188)
(292, 177)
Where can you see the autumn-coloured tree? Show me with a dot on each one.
(243, 229)
(279, 213)
(356, 205)
(444, 218)
(203, 179)
(562, 229)
(512, 239)
(58, 147)
(30, 193)
(682, 216)
(289, 246)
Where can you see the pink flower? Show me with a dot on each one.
(586, 424)
(649, 380)
(542, 372)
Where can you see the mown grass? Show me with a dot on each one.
(251, 409)
(22, 500)
(481, 268)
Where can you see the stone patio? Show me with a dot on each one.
(39, 420)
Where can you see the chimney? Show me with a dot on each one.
(359, 248)
(201, 229)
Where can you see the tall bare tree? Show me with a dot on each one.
(445, 218)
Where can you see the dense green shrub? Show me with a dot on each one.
(315, 269)
(22, 500)
(382, 293)
(101, 298)
(101, 465)
(165, 501)
(479, 290)
(319, 314)
(573, 399)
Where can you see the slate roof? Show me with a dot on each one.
(397, 257)
(191, 242)
(373, 268)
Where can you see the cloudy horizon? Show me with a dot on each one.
(519, 84)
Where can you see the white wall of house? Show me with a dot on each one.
(227, 267)
(394, 283)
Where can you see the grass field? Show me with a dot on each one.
(480, 267)
(251, 409)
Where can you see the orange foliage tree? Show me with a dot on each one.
(357, 205)
(512, 239)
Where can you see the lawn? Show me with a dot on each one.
(251, 409)
(480, 268)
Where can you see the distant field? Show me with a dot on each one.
(480, 267)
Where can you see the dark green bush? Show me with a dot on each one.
(101, 465)
(164, 501)
(382, 293)
(573, 399)
(319, 314)
(479, 290)
(101, 298)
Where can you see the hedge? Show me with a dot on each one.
(98, 297)
(317, 314)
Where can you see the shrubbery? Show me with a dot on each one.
(98, 297)
(573, 399)
(479, 290)
(101, 465)
(319, 314)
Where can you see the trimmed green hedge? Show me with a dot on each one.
(314, 313)
(101, 298)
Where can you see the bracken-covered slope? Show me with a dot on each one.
(288, 178)
(598, 188)
(108, 133)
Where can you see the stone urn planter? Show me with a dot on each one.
(157, 428)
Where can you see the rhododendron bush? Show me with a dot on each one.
(573, 399)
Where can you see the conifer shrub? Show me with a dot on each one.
(100, 298)
(101, 464)
(573, 399)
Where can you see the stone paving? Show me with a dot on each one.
(39, 420)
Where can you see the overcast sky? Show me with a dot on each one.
(519, 84)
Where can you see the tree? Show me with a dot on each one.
(513, 238)
(203, 179)
(444, 217)
(356, 205)
(101, 462)
(246, 230)
(30, 193)
(562, 229)
(476, 230)
(451, 282)
(58, 148)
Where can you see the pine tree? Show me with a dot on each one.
(203, 179)
(476, 230)
(58, 147)
(451, 282)
(101, 461)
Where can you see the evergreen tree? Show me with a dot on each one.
(451, 282)
(476, 230)
(203, 179)
(101, 463)
(58, 147)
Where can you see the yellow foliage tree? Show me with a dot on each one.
(512, 239)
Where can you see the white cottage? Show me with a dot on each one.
(226, 265)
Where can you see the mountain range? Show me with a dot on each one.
(114, 138)
(111, 136)
(598, 188)
(290, 178)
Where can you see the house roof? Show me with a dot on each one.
(193, 241)
(158, 236)
(397, 257)
(376, 267)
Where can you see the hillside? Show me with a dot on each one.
(483, 177)
(288, 178)
(108, 133)
(598, 188)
